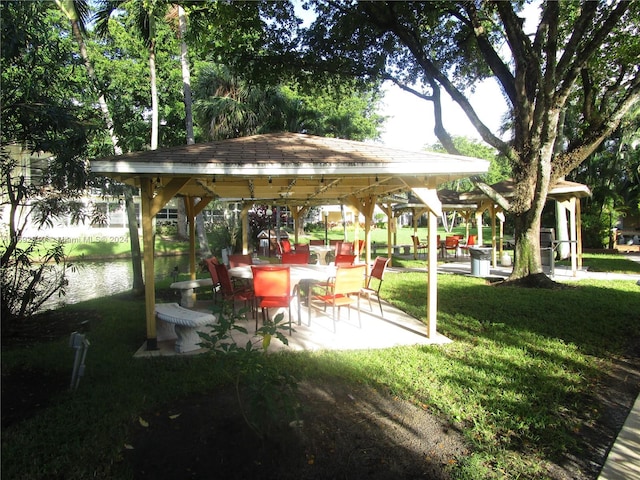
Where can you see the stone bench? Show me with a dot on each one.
(181, 324)
(186, 287)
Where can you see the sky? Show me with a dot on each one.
(410, 123)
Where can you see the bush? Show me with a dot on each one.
(27, 282)
(595, 230)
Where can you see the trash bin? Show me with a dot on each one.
(480, 261)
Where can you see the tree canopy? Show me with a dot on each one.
(581, 54)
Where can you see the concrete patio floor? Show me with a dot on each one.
(394, 328)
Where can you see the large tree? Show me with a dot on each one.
(584, 53)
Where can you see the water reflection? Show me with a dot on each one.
(99, 279)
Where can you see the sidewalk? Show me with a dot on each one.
(623, 461)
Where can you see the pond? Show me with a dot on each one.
(98, 279)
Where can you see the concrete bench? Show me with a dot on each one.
(182, 325)
(186, 287)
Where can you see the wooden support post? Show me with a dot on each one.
(189, 208)
(146, 197)
(244, 218)
(494, 242)
(572, 235)
(432, 274)
(579, 233)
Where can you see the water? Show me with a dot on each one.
(99, 279)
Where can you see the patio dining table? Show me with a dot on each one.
(302, 278)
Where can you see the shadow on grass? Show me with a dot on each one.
(530, 370)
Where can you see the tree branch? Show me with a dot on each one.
(491, 193)
(412, 42)
(583, 54)
(584, 22)
(497, 66)
(576, 153)
(406, 88)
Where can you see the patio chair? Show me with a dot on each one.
(285, 246)
(374, 282)
(295, 258)
(233, 293)
(344, 291)
(240, 260)
(471, 241)
(451, 243)
(344, 248)
(210, 263)
(418, 247)
(272, 289)
(343, 260)
(302, 247)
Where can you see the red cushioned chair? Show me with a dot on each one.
(272, 289)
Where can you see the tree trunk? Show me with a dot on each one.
(531, 190)
(182, 228)
(527, 247)
(204, 248)
(154, 95)
(136, 255)
(186, 76)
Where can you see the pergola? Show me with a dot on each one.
(296, 170)
(449, 199)
(563, 191)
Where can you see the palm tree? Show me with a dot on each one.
(77, 11)
(145, 14)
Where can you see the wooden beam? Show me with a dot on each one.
(244, 218)
(189, 208)
(429, 196)
(146, 198)
(578, 234)
(201, 205)
(432, 274)
(388, 210)
(164, 194)
(366, 207)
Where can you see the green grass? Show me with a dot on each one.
(607, 263)
(517, 380)
(120, 246)
(402, 235)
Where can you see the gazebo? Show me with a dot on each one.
(300, 171)
(564, 192)
(450, 201)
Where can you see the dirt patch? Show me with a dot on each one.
(537, 280)
(343, 432)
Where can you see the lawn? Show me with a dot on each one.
(166, 245)
(522, 380)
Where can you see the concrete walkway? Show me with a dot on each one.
(315, 332)
(623, 461)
